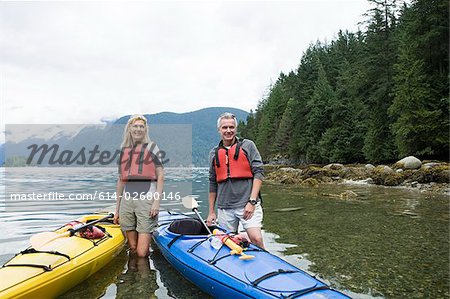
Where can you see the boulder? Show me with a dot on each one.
(312, 182)
(368, 181)
(291, 170)
(393, 179)
(334, 166)
(369, 167)
(384, 175)
(384, 169)
(409, 162)
(430, 165)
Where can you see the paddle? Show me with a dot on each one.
(39, 240)
(190, 203)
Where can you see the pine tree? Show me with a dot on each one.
(307, 74)
(421, 126)
(378, 144)
(343, 140)
(284, 133)
(318, 117)
(366, 96)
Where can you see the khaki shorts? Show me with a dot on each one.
(134, 214)
(230, 218)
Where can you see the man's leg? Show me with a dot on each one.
(255, 235)
(226, 219)
(253, 226)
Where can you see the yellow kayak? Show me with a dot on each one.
(61, 262)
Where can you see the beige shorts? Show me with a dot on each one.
(230, 218)
(134, 214)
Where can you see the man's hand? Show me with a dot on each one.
(211, 220)
(248, 211)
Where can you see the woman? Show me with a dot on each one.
(139, 186)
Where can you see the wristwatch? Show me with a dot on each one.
(253, 201)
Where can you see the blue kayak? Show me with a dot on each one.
(185, 243)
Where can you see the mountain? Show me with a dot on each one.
(184, 139)
(2, 154)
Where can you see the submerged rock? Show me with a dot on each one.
(288, 209)
(348, 194)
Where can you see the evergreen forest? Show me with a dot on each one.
(369, 96)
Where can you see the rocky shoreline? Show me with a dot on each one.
(410, 172)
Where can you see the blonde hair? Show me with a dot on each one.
(127, 138)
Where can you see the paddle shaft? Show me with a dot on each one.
(198, 215)
(74, 230)
(41, 239)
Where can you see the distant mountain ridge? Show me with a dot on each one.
(202, 122)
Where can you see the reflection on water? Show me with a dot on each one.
(100, 284)
(138, 280)
(172, 284)
(386, 242)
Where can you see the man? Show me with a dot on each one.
(235, 178)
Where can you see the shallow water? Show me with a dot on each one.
(387, 242)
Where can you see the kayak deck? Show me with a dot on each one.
(224, 275)
(60, 264)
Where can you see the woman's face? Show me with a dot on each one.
(138, 130)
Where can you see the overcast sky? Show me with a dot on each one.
(84, 62)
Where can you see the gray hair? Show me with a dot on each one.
(226, 115)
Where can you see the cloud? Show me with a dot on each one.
(83, 62)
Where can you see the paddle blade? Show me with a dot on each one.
(41, 239)
(246, 257)
(189, 202)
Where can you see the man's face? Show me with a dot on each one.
(227, 129)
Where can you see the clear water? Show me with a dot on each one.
(388, 242)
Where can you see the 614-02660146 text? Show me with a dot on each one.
(106, 196)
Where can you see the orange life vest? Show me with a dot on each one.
(136, 164)
(232, 163)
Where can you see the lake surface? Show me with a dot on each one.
(385, 243)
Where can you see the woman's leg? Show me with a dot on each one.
(132, 237)
(143, 244)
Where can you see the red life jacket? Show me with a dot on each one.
(136, 164)
(232, 163)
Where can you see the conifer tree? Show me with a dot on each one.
(417, 107)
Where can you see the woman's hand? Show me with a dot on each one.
(154, 211)
(116, 218)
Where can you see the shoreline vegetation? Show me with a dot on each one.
(410, 172)
(375, 95)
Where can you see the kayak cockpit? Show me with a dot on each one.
(189, 226)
